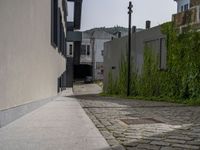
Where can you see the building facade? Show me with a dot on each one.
(92, 49)
(188, 14)
(74, 38)
(182, 5)
(116, 51)
(32, 54)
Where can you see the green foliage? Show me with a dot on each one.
(118, 86)
(149, 79)
(112, 85)
(181, 80)
(183, 63)
(122, 79)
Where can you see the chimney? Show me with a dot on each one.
(133, 29)
(148, 24)
(119, 34)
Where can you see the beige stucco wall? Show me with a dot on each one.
(29, 65)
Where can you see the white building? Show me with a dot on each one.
(182, 5)
(86, 52)
(92, 50)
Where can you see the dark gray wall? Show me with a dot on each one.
(70, 72)
(116, 49)
(77, 47)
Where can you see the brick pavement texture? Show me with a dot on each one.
(178, 126)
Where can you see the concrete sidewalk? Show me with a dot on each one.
(59, 125)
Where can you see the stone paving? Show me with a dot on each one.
(171, 126)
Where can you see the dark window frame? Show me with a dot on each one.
(65, 48)
(62, 40)
(102, 52)
(88, 50)
(70, 49)
(182, 8)
(186, 7)
(59, 31)
(83, 51)
(54, 23)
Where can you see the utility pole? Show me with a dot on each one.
(92, 41)
(129, 48)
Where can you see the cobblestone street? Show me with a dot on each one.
(144, 125)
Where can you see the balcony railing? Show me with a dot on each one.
(189, 17)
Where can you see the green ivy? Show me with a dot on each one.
(181, 80)
(112, 85)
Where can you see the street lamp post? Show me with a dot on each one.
(92, 41)
(129, 48)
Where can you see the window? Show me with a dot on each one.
(113, 67)
(70, 15)
(54, 23)
(186, 7)
(59, 32)
(61, 38)
(65, 48)
(70, 49)
(182, 8)
(102, 71)
(102, 52)
(88, 50)
(83, 49)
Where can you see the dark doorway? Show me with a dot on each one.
(81, 71)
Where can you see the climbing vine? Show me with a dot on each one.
(181, 79)
(183, 62)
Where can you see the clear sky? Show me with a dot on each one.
(108, 13)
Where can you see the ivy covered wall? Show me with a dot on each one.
(180, 80)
